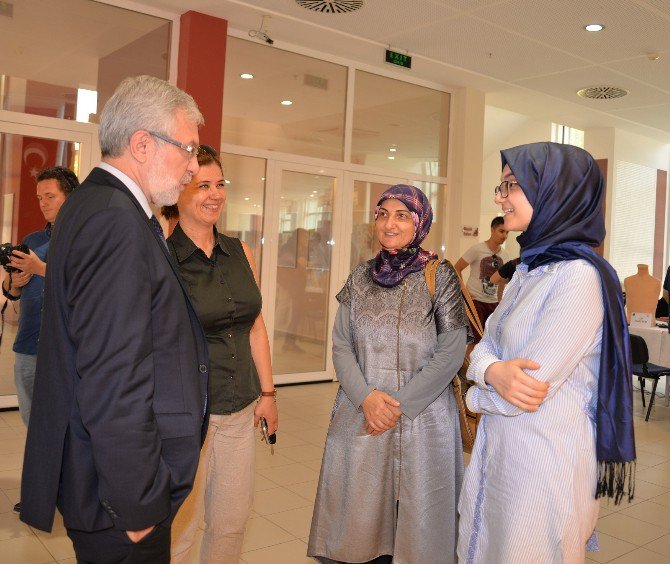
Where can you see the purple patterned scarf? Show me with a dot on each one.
(391, 266)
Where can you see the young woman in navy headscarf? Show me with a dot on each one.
(393, 461)
(553, 374)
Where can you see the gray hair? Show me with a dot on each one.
(142, 102)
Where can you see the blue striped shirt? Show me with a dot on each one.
(529, 490)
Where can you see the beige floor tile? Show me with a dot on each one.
(12, 446)
(295, 521)
(290, 474)
(24, 550)
(68, 561)
(10, 479)
(305, 489)
(14, 494)
(293, 424)
(11, 527)
(641, 556)
(314, 465)
(629, 529)
(610, 548)
(58, 544)
(663, 499)
(649, 512)
(5, 504)
(264, 459)
(262, 483)
(303, 453)
(11, 461)
(659, 475)
(286, 439)
(294, 552)
(645, 490)
(315, 436)
(661, 448)
(12, 418)
(650, 459)
(662, 546)
(279, 499)
(261, 533)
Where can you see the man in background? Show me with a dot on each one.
(54, 185)
(484, 259)
(120, 391)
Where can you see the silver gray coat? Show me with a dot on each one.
(395, 493)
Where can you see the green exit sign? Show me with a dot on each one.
(398, 59)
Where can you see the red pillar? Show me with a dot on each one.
(201, 69)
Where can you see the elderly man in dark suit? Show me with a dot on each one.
(120, 391)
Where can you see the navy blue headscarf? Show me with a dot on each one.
(564, 186)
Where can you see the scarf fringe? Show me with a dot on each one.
(616, 479)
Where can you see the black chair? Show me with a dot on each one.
(642, 368)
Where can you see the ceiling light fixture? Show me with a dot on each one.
(594, 27)
(391, 158)
(286, 102)
(393, 149)
(246, 76)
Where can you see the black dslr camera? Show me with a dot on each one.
(6, 251)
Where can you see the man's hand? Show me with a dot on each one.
(513, 384)
(28, 263)
(137, 536)
(19, 280)
(381, 412)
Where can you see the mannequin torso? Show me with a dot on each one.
(642, 291)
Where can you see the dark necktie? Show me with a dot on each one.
(158, 229)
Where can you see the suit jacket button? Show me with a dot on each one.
(202, 368)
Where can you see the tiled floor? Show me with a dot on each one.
(277, 532)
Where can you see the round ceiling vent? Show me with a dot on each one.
(602, 92)
(331, 6)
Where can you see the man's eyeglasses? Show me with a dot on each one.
(192, 150)
(503, 188)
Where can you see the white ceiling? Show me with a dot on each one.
(529, 56)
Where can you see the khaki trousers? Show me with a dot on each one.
(222, 493)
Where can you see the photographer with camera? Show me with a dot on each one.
(25, 280)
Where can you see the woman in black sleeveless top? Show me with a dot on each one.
(221, 280)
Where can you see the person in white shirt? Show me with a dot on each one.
(484, 259)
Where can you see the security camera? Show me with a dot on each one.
(262, 32)
(261, 35)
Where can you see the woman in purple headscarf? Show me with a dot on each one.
(393, 461)
(553, 374)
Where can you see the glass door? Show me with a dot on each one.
(29, 144)
(299, 256)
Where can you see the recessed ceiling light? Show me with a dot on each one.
(391, 158)
(311, 195)
(262, 177)
(594, 27)
(286, 102)
(227, 181)
(246, 76)
(314, 192)
(247, 199)
(393, 149)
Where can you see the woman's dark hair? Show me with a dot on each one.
(67, 180)
(206, 156)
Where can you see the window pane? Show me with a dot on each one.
(400, 126)
(364, 244)
(303, 273)
(43, 72)
(254, 116)
(633, 218)
(242, 215)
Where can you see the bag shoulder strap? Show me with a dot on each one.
(430, 272)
